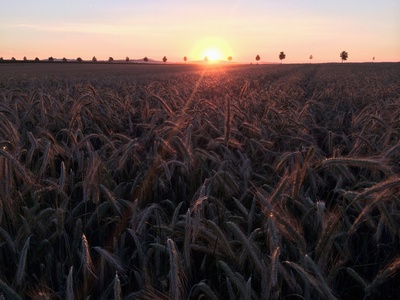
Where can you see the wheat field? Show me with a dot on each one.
(216, 182)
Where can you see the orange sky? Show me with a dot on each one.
(241, 29)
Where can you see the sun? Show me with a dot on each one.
(212, 49)
(213, 54)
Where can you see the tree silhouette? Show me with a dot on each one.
(258, 58)
(51, 58)
(344, 55)
(79, 59)
(37, 59)
(311, 57)
(13, 58)
(164, 59)
(206, 59)
(25, 59)
(373, 59)
(94, 58)
(110, 59)
(185, 59)
(127, 58)
(230, 58)
(64, 59)
(1, 58)
(145, 59)
(282, 56)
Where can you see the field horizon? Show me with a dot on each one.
(120, 67)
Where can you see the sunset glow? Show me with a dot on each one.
(214, 48)
(178, 28)
(213, 54)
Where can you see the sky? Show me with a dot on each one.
(214, 28)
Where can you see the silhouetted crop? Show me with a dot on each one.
(220, 183)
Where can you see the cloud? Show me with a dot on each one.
(89, 28)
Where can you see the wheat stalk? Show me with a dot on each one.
(187, 240)
(322, 280)
(274, 267)
(69, 293)
(368, 163)
(357, 278)
(384, 274)
(227, 127)
(176, 276)
(117, 287)
(8, 292)
(207, 292)
(110, 258)
(20, 274)
(252, 249)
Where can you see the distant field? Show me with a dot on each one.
(199, 182)
(74, 68)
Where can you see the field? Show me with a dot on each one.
(200, 182)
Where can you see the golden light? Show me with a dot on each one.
(214, 48)
(213, 54)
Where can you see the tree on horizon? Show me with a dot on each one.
(37, 59)
(127, 58)
(94, 58)
(230, 58)
(13, 58)
(64, 59)
(206, 59)
(164, 59)
(344, 55)
(145, 59)
(282, 56)
(51, 58)
(311, 57)
(258, 58)
(110, 59)
(25, 59)
(79, 59)
(185, 59)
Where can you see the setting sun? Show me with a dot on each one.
(214, 48)
(213, 54)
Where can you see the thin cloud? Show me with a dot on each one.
(90, 28)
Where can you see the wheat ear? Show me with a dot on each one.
(69, 293)
(22, 263)
(117, 287)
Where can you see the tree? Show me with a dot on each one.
(1, 58)
(344, 55)
(110, 59)
(79, 59)
(282, 56)
(13, 58)
(164, 59)
(185, 59)
(311, 57)
(94, 58)
(206, 59)
(229, 58)
(64, 59)
(37, 59)
(127, 58)
(258, 58)
(25, 59)
(373, 59)
(145, 59)
(51, 58)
